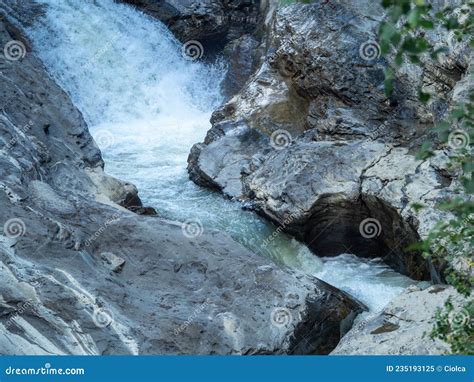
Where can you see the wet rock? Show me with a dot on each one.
(149, 211)
(242, 55)
(165, 11)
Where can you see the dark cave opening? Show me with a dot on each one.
(366, 227)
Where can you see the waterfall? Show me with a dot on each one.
(146, 103)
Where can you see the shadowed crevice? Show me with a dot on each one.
(366, 227)
(327, 321)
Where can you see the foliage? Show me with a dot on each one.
(456, 327)
(450, 243)
(403, 34)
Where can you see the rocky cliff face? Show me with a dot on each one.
(312, 142)
(80, 274)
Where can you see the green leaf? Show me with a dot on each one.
(425, 151)
(457, 113)
(423, 44)
(384, 47)
(406, 6)
(415, 45)
(469, 185)
(468, 167)
(409, 45)
(394, 14)
(451, 23)
(427, 24)
(388, 84)
(399, 59)
(443, 126)
(413, 18)
(387, 31)
(396, 38)
(417, 206)
(424, 97)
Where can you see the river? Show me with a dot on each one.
(146, 104)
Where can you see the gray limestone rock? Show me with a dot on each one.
(404, 326)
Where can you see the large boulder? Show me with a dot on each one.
(404, 326)
(81, 274)
(106, 282)
(313, 143)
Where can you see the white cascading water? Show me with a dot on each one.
(146, 105)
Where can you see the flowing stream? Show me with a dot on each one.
(146, 104)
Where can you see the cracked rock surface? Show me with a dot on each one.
(404, 325)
